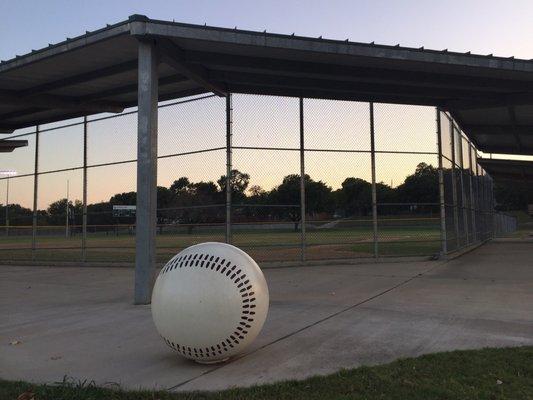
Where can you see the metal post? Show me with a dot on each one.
(463, 193)
(145, 229)
(7, 206)
(35, 194)
(472, 200)
(454, 187)
(479, 217)
(67, 212)
(229, 163)
(302, 182)
(374, 193)
(444, 244)
(84, 212)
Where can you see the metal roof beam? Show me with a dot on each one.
(296, 44)
(21, 113)
(504, 100)
(512, 117)
(48, 101)
(498, 129)
(325, 94)
(132, 88)
(90, 99)
(495, 149)
(7, 146)
(175, 57)
(82, 78)
(395, 91)
(10, 127)
(276, 66)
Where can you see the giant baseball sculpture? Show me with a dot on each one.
(209, 302)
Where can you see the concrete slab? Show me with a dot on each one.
(81, 322)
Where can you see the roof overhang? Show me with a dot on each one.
(516, 170)
(7, 146)
(490, 97)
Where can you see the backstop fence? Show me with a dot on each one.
(285, 179)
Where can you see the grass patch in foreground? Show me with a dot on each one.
(505, 373)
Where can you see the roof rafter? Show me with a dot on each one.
(503, 100)
(174, 56)
(217, 61)
(82, 78)
(339, 86)
(48, 101)
(512, 117)
(7, 146)
(10, 127)
(324, 94)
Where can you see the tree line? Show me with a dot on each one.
(186, 202)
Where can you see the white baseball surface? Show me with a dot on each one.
(210, 301)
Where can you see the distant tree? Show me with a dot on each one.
(124, 199)
(101, 214)
(180, 184)
(56, 212)
(18, 215)
(256, 191)
(420, 187)
(355, 197)
(385, 193)
(318, 198)
(164, 197)
(187, 199)
(239, 182)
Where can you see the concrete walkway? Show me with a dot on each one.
(80, 321)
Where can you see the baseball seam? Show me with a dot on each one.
(242, 283)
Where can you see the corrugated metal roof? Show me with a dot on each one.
(499, 169)
(490, 97)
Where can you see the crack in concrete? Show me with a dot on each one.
(348, 308)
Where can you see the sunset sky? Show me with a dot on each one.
(480, 26)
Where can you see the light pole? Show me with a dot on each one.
(8, 173)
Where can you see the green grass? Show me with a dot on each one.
(264, 245)
(505, 373)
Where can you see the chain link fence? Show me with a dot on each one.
(467, 199)
(308, 179)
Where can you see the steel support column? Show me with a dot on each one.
(84, 215)
(229, 162)
(146, 214)
(302, 182)
(374, 193)
(35, 194)
(443, 240)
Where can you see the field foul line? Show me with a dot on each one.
(351, 307)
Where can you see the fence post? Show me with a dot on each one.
(35, 191)
(145, 227)
(444, 244)
(302, 182)
(454, 188)
(7, 206)
(84, 212)
(463, 193)
(229, 137)
(374, 194)
(472, 201)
